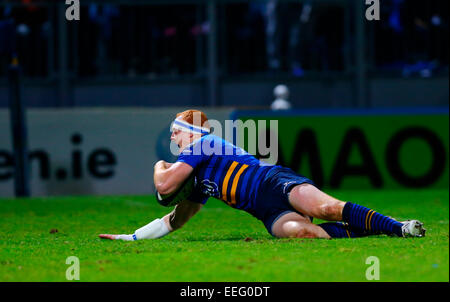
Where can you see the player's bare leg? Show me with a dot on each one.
(294, 225)
(359, 220)
(309, 200)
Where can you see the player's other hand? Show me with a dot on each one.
(108, 236)
(125, 237)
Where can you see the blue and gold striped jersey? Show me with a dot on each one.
(224, 171)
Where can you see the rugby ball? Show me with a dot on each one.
(183, 192)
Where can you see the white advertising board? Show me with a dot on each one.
(100, 151)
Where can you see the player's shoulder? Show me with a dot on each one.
(207, 137)
(198, 146)
(208, 141)
(211, 137)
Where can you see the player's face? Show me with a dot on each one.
(181, 138)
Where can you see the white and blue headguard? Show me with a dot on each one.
(182, 125)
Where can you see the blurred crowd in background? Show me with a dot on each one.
(253, 37)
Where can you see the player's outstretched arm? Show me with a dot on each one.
(161, 226)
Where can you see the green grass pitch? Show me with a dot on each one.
(218, 244)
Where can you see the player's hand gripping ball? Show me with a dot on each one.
(183, 192)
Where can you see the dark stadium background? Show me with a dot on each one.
(116, 77)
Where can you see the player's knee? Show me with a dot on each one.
(294, 229)
(306, 232)
(291, 228)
